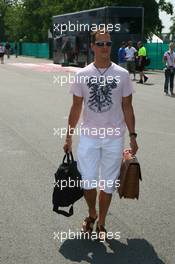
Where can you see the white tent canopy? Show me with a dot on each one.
(155, 39)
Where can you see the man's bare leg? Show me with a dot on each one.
(90, 197)
(104, 203)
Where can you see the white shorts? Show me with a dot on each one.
(99, 162)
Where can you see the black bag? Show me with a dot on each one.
(147, 61)
(67, 189)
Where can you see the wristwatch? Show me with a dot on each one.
(133, 134)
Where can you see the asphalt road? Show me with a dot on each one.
(32, 104)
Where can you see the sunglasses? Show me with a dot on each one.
(102, 43)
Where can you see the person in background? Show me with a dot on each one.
(2, 51)
(130, 59)
(141, 61)
(7, 49)
(169, 59)
(16, 49)
(121, 55)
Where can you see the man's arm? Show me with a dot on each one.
(130, 121)
(164, 59)
(73, 120)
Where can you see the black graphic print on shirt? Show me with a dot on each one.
(100, 99)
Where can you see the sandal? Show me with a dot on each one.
(101, 232)
(88, 223)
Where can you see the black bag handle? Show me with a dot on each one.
(68, 155)
(67, 214)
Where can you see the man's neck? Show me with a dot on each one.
(102, 64)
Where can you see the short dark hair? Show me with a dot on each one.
(103, 30)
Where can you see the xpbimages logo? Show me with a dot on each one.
(90, 184)
(80, 27)
(62, 235)
(100, 132)
(63, 79)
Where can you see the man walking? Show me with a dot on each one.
(141, 61)
(107, 96)
(122, 55)
(2, 51)
(130, 58)
(169, 59)
(7, 49)
(16, 48)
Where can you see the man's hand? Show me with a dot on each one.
(133, 145)
(68, 145)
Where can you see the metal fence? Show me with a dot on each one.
(39, 50)
(155, 52)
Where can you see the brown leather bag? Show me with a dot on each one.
(130, 174)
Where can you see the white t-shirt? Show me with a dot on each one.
(2, 50)
(102, 95)
(130, 53)
(170, 58)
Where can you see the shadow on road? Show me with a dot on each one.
(136, 251)
(148, 84)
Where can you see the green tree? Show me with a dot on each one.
(172, 28)
(33, 18)
(152, 22)
(37, 18)
(13, 22)
(4, 6)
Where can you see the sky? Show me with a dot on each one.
(166, 18)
